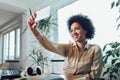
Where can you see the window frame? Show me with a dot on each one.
(54, 8)
(12, 26)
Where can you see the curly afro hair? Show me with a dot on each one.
(85, 22)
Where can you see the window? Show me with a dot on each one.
(11, 45)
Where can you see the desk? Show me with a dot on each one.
(46, 76)
(49, 76)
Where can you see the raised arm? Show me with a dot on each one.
(47, 44)
(33, 25)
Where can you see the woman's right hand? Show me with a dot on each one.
(32, 24)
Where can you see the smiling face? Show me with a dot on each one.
(77, 32)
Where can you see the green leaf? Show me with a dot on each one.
(118, 52)
(117, 3)
(117, 65)
(113, 76)
(104, 47)
(44, 25)
(107, 71)
(33, 58)
(118, 26)
(105, 60)
(112, 4)
(113, 61)
(109, 52)
(33, 52)
(115, 70)
(115, 44)
(117, 18)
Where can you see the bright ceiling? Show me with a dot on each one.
(11, 8)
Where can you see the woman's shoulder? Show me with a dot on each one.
(97, 49)
(95, 46)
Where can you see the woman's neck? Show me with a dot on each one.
(81, 45)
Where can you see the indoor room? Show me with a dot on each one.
(36, 38)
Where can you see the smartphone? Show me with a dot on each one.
(43, 13)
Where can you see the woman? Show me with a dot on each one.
(82, 60)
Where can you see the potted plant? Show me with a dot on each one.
(112, 53)
(38, 59)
